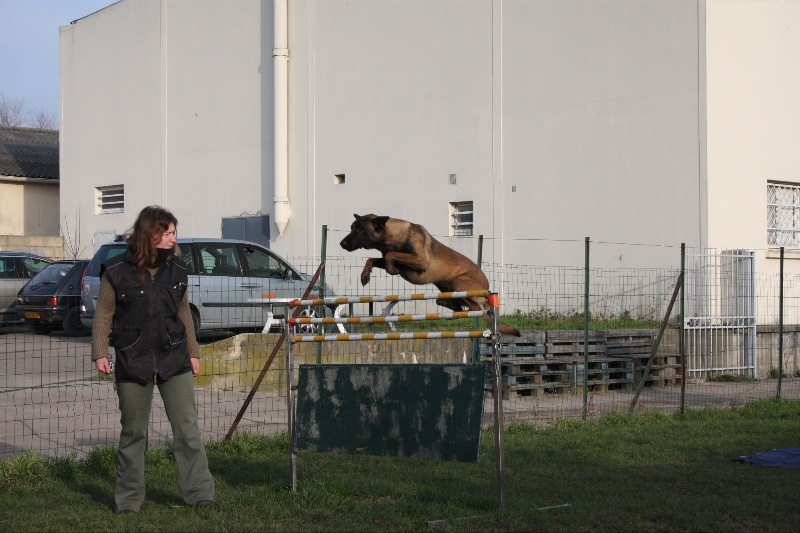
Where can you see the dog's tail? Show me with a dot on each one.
(504, 329)
(508, 330)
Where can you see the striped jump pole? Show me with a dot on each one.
(390, 298)
(393, 336)
(385, 319)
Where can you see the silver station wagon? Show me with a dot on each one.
(233, 284)
(16, 269)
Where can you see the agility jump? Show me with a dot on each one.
(494, 334)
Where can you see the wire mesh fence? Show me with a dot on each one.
(55, 403)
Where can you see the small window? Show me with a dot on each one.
(783, 215)
(110, 199)
(461, 221)
(338, 179)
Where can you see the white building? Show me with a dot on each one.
(655, 122)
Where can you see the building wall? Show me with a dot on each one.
(589, 110)
(753, 119)
(29, 209)
(166, 98)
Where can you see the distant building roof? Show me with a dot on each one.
(28, 152)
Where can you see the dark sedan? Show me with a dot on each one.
(52, 299)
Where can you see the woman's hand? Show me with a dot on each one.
(102, 365)
(195, 366)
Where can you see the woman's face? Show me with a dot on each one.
(168, 238)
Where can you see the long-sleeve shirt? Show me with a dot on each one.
(104, 314)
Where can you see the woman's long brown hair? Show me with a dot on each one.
(151, 224)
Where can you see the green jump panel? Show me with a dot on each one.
(420, 411)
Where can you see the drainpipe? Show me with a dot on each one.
(280, 54)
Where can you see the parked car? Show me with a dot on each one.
(16, 269)
(224, 276)
(52, 299)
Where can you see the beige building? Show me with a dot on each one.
(29, 183)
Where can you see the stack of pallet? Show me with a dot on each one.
(554, 362)
(637, 346)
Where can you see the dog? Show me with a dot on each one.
(408, 250)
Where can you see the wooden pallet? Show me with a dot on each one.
(529, 343)
(571, 342)
(665, 370)
(628, 342)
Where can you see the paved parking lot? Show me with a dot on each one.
(53, 401)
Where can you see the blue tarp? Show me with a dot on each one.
(786, 458)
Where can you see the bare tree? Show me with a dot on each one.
(46, 120)
(12, 111)
(72, 241)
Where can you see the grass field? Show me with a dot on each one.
(645, 472)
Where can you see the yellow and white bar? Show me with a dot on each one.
(390, 298)
(393, 336)
(385, 319)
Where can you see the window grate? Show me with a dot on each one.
(461, 219)
(783, 215)
(110, 199)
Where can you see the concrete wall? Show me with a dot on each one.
(52, 247)
(589, 110)
(166, 98)
(560, 120)
(29, 209)
(753, 119)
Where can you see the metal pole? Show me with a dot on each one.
(653, 352)
(290, 411)
(780, 329)
(586, 334)
(497, 393)
(476, 344)
(321, 311)
(681, 330)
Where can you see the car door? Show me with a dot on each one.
(222, 289)
(15, 272)
(269, 276)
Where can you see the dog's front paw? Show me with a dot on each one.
(364, 278)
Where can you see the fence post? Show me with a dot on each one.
(780, 328)
(586, 333)
(681, 330)
(476, 343)
(322, 286)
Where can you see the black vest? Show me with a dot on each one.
(148, 336)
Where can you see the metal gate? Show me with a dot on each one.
(720, 321)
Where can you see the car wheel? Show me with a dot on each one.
(72, 323)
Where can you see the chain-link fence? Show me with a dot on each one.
(55, 403)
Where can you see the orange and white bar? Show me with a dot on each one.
(390, 298)
(393, 336)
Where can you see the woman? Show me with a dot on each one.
(143, 302)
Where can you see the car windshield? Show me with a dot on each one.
(52, 274)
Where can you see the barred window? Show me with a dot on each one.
(783, 215)
(110, 199)
(461, 222)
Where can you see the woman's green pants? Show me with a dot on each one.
(135, 402)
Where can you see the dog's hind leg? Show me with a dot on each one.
(454, 305)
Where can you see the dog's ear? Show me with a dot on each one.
(357, 217)
(379, 222)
